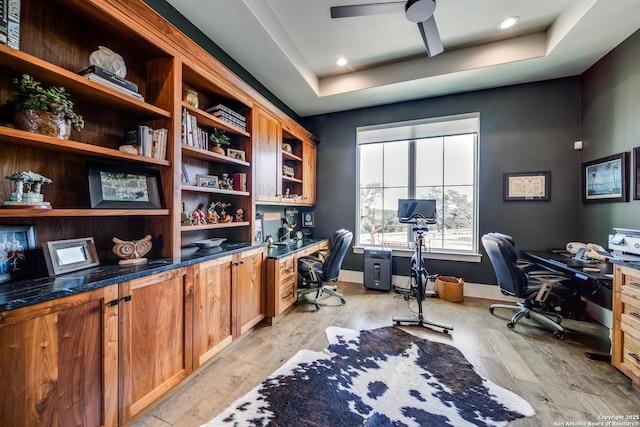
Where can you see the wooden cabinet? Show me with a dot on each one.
(59, 362)
(155, 338)
(625, 346)
(309, 154)
(267, 139)
(228, 301)
(282, 279)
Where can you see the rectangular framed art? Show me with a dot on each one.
(606, 179)
(113, 186)
(64, 256)
(527, 186)
(18, 256)
(636, 173)
(210, 181)
(236, 154)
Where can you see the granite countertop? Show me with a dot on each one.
(630, 264)
(22, 293)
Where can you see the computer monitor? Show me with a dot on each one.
(410, 210)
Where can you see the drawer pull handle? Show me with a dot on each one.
(636, 284)
(287, 295)
(635, 356)
(636, 315)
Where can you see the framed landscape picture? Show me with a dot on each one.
(113, 186)
(606, 179)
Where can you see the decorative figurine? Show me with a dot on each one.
(198, 216)
(239, 215)
(212, 215)
(27, 191)
(226, 183)
(185, 217)
(132, 252)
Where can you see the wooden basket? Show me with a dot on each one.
(450, 288)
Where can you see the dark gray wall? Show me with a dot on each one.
(523, 128)
(611, 125)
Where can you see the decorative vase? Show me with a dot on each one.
(42, 122)
(218, 149)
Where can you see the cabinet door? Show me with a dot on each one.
(309, 152)
(51, 359)
(267, 160)
(212, 308)
(154, 352)
(249, 299)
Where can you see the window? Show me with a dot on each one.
(424, 159)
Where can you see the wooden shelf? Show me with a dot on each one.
(214, 226)
(197, 189)
(286, 178)
(36, 140)
(29, 213)
(199, 153)
(288, 156)
(207, 119)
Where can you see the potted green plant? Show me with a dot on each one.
(45, 111)
(219, 137)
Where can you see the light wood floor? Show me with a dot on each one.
(553, 375)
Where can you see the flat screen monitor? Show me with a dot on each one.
(410, 210)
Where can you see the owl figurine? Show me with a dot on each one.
(132, 252)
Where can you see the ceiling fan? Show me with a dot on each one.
(418, 11)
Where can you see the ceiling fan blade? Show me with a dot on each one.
(367, 9)
(430, 36)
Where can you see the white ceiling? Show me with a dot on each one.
(290, 46)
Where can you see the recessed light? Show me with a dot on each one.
(341, 61)
(508, 22)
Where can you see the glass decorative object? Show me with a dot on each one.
(107, 59)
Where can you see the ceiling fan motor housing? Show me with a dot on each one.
(419, 10)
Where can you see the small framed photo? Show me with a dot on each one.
(113, 186)
(259, 229)
(18, 256)
(184, 177)
(236, 154)
(527, 186)
(606, 179)
(64, 256)
(209, 181)
(307, 219)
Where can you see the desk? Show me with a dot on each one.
(563, 264)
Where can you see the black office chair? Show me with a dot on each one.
(315, 271)
(543, 292)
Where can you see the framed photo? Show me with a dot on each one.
(18, 255)
(259, 230)
(235, 154)
(64, 256)
(527, 186)
(113, 186)
(606, 179)
(209, 181)
(307, 219)
(184, 177)
(636, 173)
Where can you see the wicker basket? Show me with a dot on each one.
(450, 288)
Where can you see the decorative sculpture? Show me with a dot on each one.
(107, 59)
(132, 252)
(27, 191)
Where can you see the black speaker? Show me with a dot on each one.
(377, 269)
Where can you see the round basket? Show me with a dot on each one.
(450, 288)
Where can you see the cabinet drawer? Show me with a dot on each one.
(286, 268)
(630, 350)
(287, 293)
(630, 312)
(631, 287)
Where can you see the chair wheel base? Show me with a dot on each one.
(558, 335)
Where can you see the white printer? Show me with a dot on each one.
(625, 244)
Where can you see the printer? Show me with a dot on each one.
(625, 244)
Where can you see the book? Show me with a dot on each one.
(159, 150)
(100, 80)
(106, 74)
(227, 110)
(10, 23)
(239, 181)
(141, 138)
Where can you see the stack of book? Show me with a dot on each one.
(193, 135)
(112, 81)
(146, 141)
(239, 181)
(10, 23)
(227, 115)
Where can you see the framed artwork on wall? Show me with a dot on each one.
(527, 186)
(636, 173)
(606, 179)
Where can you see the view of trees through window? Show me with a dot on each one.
(440, 168)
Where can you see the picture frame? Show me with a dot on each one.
(636, 173)
(236, 154)
(208, 181)
(18, 251)
(308, 219)
(259, 229)
(527, 186)
(606, 179)
(113, 186)
(64, 256)
(184, 177)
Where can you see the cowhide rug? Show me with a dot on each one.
(381, 377)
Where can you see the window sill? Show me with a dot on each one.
(445, 256)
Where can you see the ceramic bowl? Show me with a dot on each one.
(208, 243)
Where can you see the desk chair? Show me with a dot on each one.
(542, 291)
(315, 271)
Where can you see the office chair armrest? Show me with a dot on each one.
(310, 262)
(522, 264)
